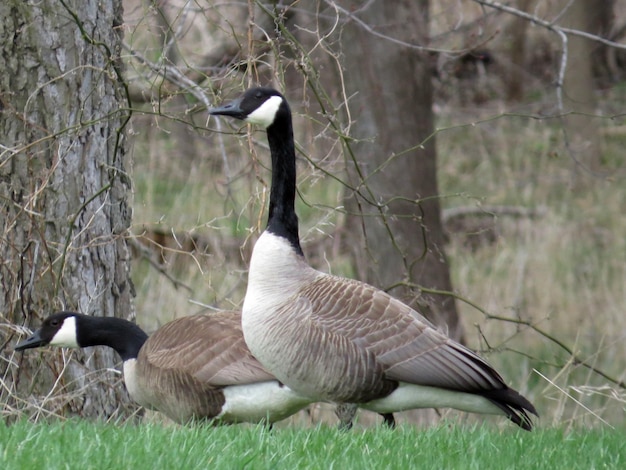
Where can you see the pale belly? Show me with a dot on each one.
(266, 401)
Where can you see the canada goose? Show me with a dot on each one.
(193, 368)
(340, 340)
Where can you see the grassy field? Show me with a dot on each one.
(79, 444)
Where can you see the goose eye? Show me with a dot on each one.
(54, 322)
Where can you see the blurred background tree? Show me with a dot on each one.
(397, 212)
(64, 195)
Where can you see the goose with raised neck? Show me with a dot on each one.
(340, 340)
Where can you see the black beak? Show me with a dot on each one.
(33, 342)
(232, 109)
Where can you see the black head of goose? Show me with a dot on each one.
(339, 340)
(193, 368)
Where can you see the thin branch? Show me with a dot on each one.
(491, 211)
(562, 33)
(561, 344)
(578, 402)
(351, 15)
(549, 25)
(171, 74)
(147, 254)
(177, 78)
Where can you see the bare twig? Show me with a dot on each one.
(568, 395)
(550, 25)
(147, 254)
(451, 213)
(519, 321)
(352, 16)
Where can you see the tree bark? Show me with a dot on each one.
(516, 31)
(584, 141)
(63, 195)
(394, 169)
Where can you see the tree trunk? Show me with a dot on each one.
(63, 196)
(394, 169)
(579, 92)
(516, 31)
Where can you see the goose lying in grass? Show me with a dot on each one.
(193, 368)
(339, 340)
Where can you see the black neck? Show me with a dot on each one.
(123, 336)
(282, 219)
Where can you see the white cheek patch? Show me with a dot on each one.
(66, 336)
(264, 115)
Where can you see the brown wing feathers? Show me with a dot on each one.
(224, 360)
(406, 345)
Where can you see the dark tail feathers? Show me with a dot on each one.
(514, 405)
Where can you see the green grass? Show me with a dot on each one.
(85, 445)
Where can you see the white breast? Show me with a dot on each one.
(276, 275)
